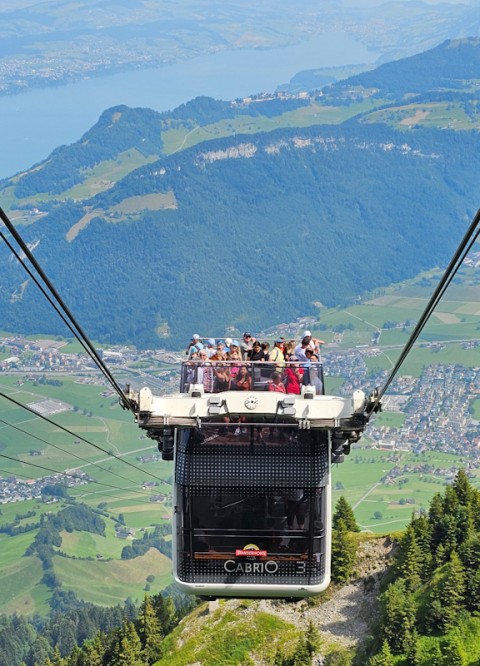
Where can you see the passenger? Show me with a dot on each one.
(211, 347)
(314, 342)
(276, 384)
(242, 381)
(233, 356)
(235, 347)
(258, 372)
(205, 372)
(314, 375)
(289, 349)
(190, 371)
(276, 355)
(222, 376)
(301, 348)
(220, 354)
(293, 376)
(257, 353)
(266, 350)
(307, 366)
(194, 345)
(246, 345)
(228, 342)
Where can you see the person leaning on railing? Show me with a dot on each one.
(221, 373)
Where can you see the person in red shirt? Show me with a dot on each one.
(294, 376)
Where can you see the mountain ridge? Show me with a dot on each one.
(265, 210)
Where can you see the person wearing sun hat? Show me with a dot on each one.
(314, 343)
(194, 346)
(211, 346)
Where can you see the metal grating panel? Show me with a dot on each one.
(244, 465)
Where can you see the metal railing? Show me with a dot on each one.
(219, 376)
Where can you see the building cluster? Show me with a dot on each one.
(13, 489)
(22, 355)
(19, 73)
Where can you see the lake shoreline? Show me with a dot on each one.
(37, 121)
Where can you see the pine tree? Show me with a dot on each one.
(165, 612)
(452, 592)
(409, 560)
(448, 596)
(344, 553)
(470, 556)
(312, 639)
(398, 615)
(435, 518)
(435, 655)
(453, 653)
(150, 632)
(463, 489)
(127, 651)
(423, 534)
(440, 556)
(55, 659)
(383, 658)
(343, 511)
(412, 650)
(301, 656)
(92, 652)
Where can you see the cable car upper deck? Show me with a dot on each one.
(258, 404)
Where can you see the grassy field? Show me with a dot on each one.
(359, 480)
(118, 485)
(109, 583)
(180, 138)
(227, 638)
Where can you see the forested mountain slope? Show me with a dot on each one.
(246, 229)
(446, 67)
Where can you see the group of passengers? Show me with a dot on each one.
(225, 365)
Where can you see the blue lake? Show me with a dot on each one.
(32, 124)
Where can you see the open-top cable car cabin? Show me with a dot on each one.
(252, 481)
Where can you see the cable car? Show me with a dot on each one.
(252, 480)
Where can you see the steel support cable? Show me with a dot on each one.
(462, 251)
(77, 436)
(72, 476)
(67, 323)
(94, 354)
(69, 453)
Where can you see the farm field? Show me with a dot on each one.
(31, 447)
(359, 480)
(109, 583)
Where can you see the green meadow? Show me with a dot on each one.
(99, 428)
(380, 507)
